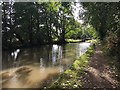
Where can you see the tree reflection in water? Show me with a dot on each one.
(29, 67)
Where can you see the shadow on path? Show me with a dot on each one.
(99, 74)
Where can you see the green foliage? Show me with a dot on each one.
(82, 32)
(104, 17)
(82, 62)
(33, 23)
(96, 15)
(73, 40)
(71, 77)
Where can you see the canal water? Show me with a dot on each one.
(36, 67)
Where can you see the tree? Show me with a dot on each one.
(33, 23)
(105, 19)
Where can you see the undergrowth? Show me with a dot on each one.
(71, 78)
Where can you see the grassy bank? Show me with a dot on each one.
(73, 40)
(71, 78)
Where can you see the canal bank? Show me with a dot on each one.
(45, 64)
(72, 77)
(97, 71)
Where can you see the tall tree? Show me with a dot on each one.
(105, 18)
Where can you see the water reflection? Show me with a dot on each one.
(45, 56)
(15, 54)
(82, 48)
(56, 53)
(41, 63)
(48, 60)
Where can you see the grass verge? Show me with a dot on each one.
(73, 40)
(71, 78)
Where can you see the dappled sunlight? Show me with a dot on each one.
(98, 51)
(41, 41)
(105, 74)
(99, 74)
(107, 77)
(94, 71)
(96, 79)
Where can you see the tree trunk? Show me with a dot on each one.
(62, 36)
(5, 36)
(30, 31)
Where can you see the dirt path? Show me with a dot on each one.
(99, 74)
